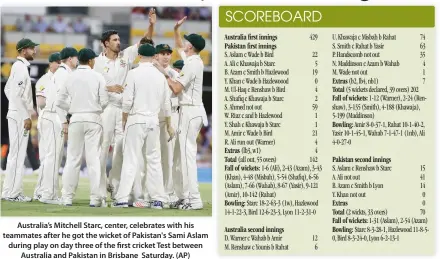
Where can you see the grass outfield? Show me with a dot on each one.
(81, 204)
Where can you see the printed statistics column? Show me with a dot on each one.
(327, 130)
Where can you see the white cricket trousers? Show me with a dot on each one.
(139, 140)
(112, 134)
(39, 187)
(167, 152)
(18, 141)
(186, 184)
(51, 145)
(85, 132)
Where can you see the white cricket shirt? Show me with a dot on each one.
(174, 101)
(115, 70)
(45, 86)
(42, 87)
(59, 79)
(191, 77)
(146, 97)
(86, 90)
(173, 75)
(18, 89)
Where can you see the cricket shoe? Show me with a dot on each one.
(102, 204)
(141, 204)
(177, 204)
(50, 201)
(65, 202)
(119, 204)
(191, 206)
(172, 203)
(158, 205)
(37, 197)
(20, 198)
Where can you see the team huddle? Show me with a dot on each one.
(150, 113)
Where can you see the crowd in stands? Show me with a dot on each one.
(58, 25)
(175, 13)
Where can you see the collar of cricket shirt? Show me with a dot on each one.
(66, 67)
(83, 67)
(119, 56)
(24, 61)
(145, 64)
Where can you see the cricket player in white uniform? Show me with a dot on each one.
(88, 94)
(19, 93)
(142, 101)
(45, 90)
(114, 66)
(189, 88)
(69, 62)
(163, 56)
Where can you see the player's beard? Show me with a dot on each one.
(116, 49)
(29, 57)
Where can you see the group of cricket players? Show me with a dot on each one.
(151, 113)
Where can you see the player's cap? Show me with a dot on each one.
(86, 54)
(163, 47)
(196, 40)
(25, 43)
(178, 64)
(147, 50)
(68, 52)
(54, 57)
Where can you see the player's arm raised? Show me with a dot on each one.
(152, 20)
(127, 98)
(178, 38)
(131, 52)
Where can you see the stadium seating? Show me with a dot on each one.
(51, 42)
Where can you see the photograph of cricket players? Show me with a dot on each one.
(119, 114)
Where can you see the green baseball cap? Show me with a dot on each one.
(68, 52)
(54, 57)
(178, 64)
(196, 40)
(86, 54)
(147, 50)
(25, 43)
(163, 47)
